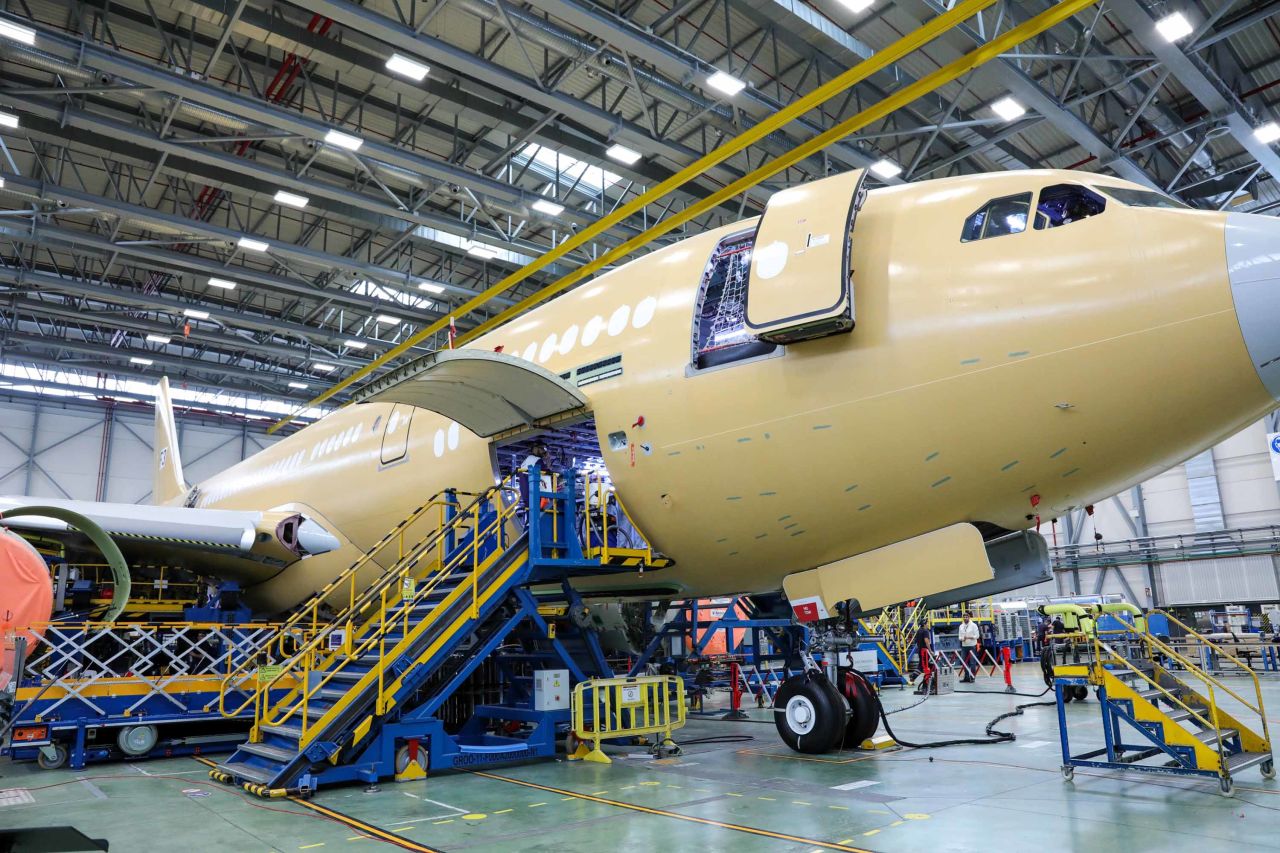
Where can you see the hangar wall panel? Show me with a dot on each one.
(55, 448)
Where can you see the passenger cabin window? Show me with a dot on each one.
(1062, 204)
(720, 333)
(1143, 198)
(997, 218)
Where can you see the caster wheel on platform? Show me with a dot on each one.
(58, 759)
(809, 713)
(1081, 692)
(1226, 787)
(571, 743)
(1068, 773)
(1268, 769)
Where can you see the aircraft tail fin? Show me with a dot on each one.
(167, 482)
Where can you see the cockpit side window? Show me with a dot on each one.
(1062, 204)
(998, 217)
(720, 334)
(1143, 198)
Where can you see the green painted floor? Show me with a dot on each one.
(1003, 797)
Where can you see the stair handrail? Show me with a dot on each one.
(1169, 696)
(302, 692)
(356, 605)
(1191, 666)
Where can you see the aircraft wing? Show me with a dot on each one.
(271, 538)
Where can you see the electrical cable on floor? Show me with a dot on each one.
(718, 739)
(994, 735)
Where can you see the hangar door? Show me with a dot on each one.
(486, 392)
(801, 283)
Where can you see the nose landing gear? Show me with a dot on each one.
(813, 716)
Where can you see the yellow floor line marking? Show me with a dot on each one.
(309, 846)
(439, 822)
(598, 793)
(846, 841)
(841, 808)
(535, 805)
(475, 816)
(896, 823)
(675, 786)
(504, 811)
(871, 832)
(770, 799)
(626, 787)
(749, 830)
(800, 803)
(732, 794)
(916, 816)
(357, 837)
(562, 799)
(650, 783)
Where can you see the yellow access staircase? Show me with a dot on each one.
(450, 565)
(1189, 721)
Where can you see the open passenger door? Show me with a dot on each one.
(801, 283)
(486, 392)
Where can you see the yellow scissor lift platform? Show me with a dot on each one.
(1187, 722)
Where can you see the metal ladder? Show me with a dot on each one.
(1187, 721)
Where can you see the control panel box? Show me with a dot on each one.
(551, 690)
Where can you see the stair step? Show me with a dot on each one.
(330, 694)
(286, 731)
(1244, 760)
(247, 771)
(1210, 736)
(266, 750)
(1179, 715)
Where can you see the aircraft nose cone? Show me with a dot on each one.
(1253, 266)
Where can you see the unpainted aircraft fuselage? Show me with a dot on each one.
(1065, 363)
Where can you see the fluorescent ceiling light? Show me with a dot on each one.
(577, 175)
(8, 120)
(387, 318)
(322, 367)
(1174, 27)
(886, 169)
(480, 251)
(196, 314)
(1008, 109)
(355, 344)
(1267, 133)
(857, 5)
(26, 35)
(251, 245)
(301, 386)
(159, 339)
(225, 284)
(726, 83)
(431, 287)
(292, 199)
(550, 208)
(343, 140)
(406, 67)
(622, 154)
(143, 361)
(1, 183)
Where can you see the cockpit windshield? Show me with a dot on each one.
(1143, 198)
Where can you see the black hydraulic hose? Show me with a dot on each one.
(994, 735)
(1007, 693)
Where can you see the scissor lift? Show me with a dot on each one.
(91, 691)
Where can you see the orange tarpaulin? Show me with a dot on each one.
(26, 596)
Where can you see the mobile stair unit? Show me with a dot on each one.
(373, 678)
(1160, 711)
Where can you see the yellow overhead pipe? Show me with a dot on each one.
(947, 73)
(1032, 27)
(877, 62)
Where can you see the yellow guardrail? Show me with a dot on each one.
(308, 619)
(600, 496)
(605, 708)
(386, 605)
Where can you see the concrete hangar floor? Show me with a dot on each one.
(745, 795)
